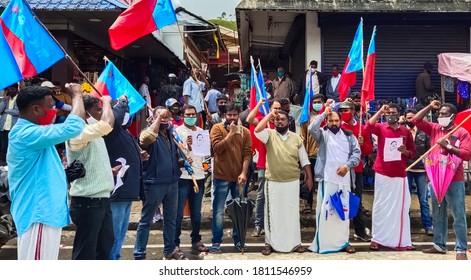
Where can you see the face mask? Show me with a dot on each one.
(222, 109)
(172, 80)
(444, 122)
(281, 129)
(392, 119)
(281, 74)
(91, 120)
(227, 123)
(357, 107)
(346, 117)
(126, 119)
(334, 129)
(317, 107)
(164, 126)
(410, 124)
(48, 118)
(189, 121)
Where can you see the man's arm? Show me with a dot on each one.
(464, 150)
(251, 117)
(261, 125)
(218, 143)
(306, 165)
(419, 121)
(367, 146)
(354, 158)
(186, 91)
(314, 127)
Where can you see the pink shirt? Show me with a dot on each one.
(395, 168)
(436, 132)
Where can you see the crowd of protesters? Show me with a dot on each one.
(47, 127)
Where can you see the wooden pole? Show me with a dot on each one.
(195, 185)
(442, 87)
(193, 66)
(433, 147)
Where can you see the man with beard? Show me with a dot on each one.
(232, 148)
(391, 221)
(170, 90)
(161, 175)
(284, 149)
(337, 157)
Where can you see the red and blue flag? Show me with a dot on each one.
(140, 19)
(368, 88)
(111, 82)
(306, 111)
(26, 47)
(354, 63)
(262, 92)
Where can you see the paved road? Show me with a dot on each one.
(255, 245)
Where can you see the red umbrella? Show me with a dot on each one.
(461, 117)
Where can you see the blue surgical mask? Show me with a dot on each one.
(317, 107)
(281, 74)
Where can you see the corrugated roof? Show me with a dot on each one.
(83, 5)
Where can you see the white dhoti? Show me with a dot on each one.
(332, 232)
(282, 226)
(391, 222)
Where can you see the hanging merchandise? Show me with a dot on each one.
(449, 84)
(463, 89)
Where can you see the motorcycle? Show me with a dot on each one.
(7, 226)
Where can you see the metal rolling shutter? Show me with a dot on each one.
(401, 52)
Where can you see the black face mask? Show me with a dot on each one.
(357, 108)
(222, 109)
(391, 119)
(165, 126)
(281, 129)
(334, 129)
(410, 124)
(227, 123)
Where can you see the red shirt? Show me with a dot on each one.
(464, 145)
(262, 150)
(367, 147)
(395, 168)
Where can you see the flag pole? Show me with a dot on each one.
(67, 56)
(195, 185)
(433, 147)
(363, 71)
(196, 78)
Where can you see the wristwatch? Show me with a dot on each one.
(449, 147)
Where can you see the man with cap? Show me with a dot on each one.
(170, 90)
(423, 84)
(60, 105)
(347, 110)
(175, 108)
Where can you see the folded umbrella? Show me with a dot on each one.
(74, 171)
(339, 202)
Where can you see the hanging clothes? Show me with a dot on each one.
(463, 89)
(449, 84)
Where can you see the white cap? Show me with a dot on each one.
(47, 84)
(171, 75)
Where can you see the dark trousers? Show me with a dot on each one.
(310, 199)
(94, 236)
(358, 221)
(4, 143)
(186, 190)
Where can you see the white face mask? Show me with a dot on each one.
(126, 118)
(91, 120)
(444, 122)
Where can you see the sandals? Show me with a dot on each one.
(215, 249)
(176, 255)
(199, 246)
(267, 250)
(349, 249)
(300, 249)
(374, 246)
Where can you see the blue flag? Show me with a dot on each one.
(262, 93)
(307, 100)
(10, 71)
(111, 82)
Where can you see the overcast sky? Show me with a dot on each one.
(209, 9)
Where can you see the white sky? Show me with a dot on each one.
(209, 9)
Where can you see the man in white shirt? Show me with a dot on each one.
(144, 90)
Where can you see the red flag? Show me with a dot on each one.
(253, 102)
(368, 88)
(141, 18)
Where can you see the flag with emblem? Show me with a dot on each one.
(26, 47)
